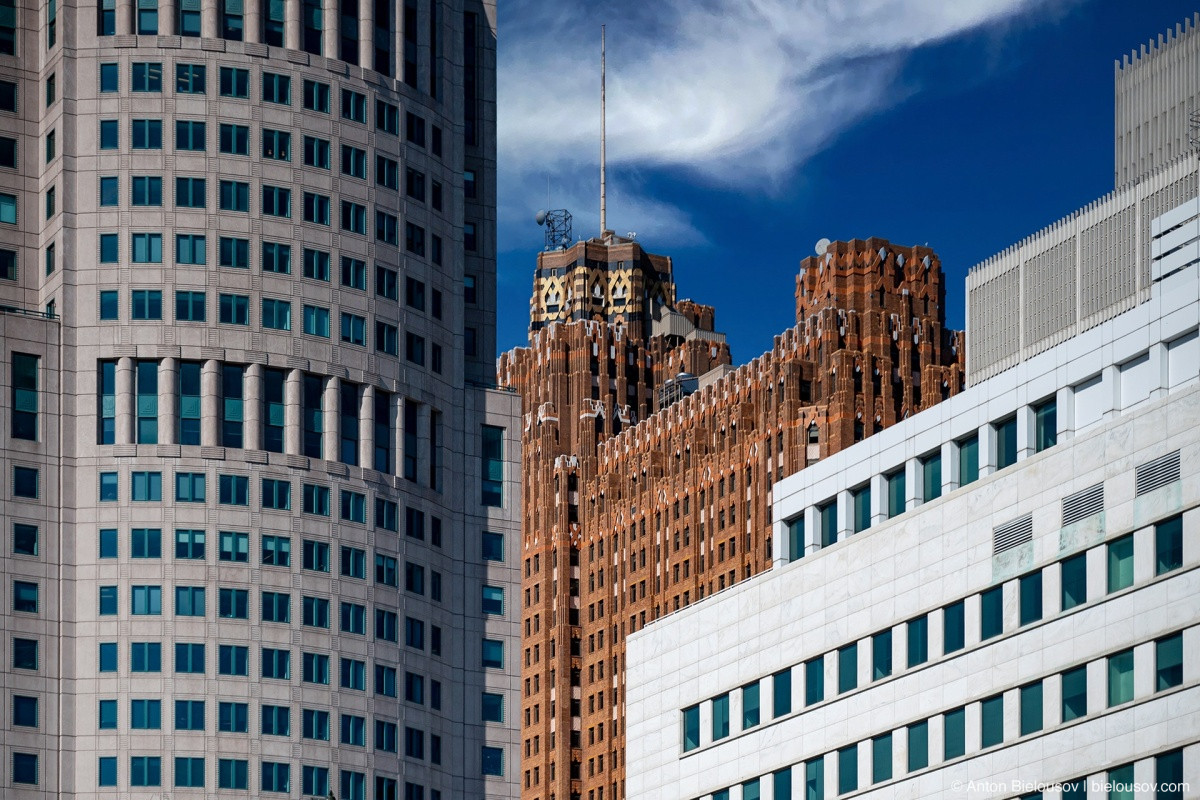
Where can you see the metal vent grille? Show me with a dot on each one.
(1083, 504)
(1156, 474)
(1012, 534)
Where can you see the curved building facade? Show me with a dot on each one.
(258, 518)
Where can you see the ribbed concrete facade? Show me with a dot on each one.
(1157, 99)
(262, 510)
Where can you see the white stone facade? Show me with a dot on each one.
(290, 468)
(1054, 570)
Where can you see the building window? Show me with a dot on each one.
(781, 700)
(991, 613)
(1121, 781)
(1120, 678)
(1168, 545)
(146, 76)
(235, 546)
(720, 717)
(847, 667)
(233, 252)
(493, 466)
(145, 771)
(276, 314)
(316, 500)
(953, 627)
(1168, 774)
(234, 82)
(276, 88)
(233, 773)
(1120, 563)
(1031, 708)
(190, 249)
(1030, 590)
(918, 640)
(354, 106)
(992, 721)
(1168, 660)
(316, 321)
(316, 208)
(814, 680)
(918, 746)
(147, 249)
(955, 728)
(847, 769)
(1006, 443)
(751, 713)
(24, 397)
(1045, 424)
(316, 96)
(968, 460)
(1074, 693)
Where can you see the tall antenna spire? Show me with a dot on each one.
(603, 214)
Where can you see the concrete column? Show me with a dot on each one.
(252, 433)
(210, 19)
(366, 428)
(210, 403)
(1097, 572)
(1010, 605)
(1143, 554)
(937, 635)
(125, 401)
(125, 14)
(252, 21)
(913, 484)
(865, 660)
(1191, 764)
(291, 24)
(950, 477)
(1064, 402)
(900, 648)
(1026, 432)
(168, 401)
(1052, 701)
(366, 34)
(331, 35)
(987, 450)
(1052, 589)
(812, 532)
(332, 437)
(974, 727)
(937, 739)
(900, 751)
(1144, 676)
(1097, 685)
(1012, 714)
(293, 388)
(1111, 391)
(972, 614)
(865, 762)
(168, 25)
(879, 499)
(845, 514)
(397, 407)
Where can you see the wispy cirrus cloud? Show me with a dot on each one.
(730, 94)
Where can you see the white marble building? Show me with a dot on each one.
(999, 592)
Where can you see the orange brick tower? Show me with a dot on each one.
(649, 460)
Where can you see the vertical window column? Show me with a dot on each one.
(409, 449)
(435, 449)
(210, 404)
(366, 427)
(384, 13)
(349, 409)
(331, 404)
(189, 403)
(233, 406)
(106, 423)
(147, 402)
(383, 417)
(313, 416)
(168, 401)
(125, 401)
(274, 422)
(252, 407)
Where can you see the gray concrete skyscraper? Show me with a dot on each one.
(258, 524)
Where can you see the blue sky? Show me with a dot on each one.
(742, 131)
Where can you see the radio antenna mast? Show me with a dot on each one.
(603, 215)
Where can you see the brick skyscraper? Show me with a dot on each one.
(647, 488)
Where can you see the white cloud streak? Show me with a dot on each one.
(734, 94)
